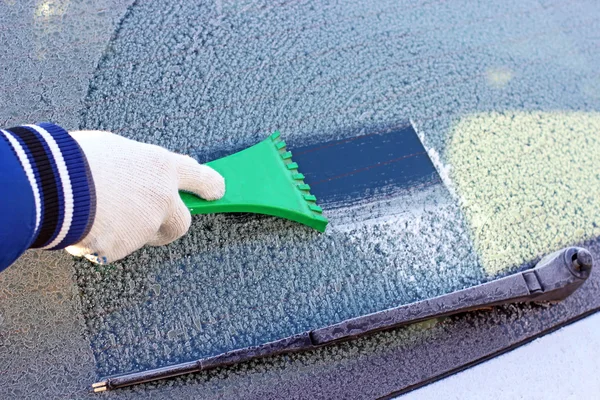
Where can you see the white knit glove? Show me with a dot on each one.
(137, 199)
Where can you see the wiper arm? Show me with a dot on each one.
(553, 279)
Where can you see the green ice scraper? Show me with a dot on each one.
(262, 179)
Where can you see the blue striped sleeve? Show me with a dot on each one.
(17, 206)
(48, 196)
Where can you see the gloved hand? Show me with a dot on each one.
(137, 199)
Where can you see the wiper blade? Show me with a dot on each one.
(553, 279)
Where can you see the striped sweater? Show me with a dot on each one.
(47, 197)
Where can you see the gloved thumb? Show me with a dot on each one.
(174, 227)
(199, 179)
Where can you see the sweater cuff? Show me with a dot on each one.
(61, 181)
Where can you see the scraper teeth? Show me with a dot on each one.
(275, 135)
(315, 208)
(304, 188)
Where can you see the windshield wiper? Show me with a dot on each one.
(553, 279)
